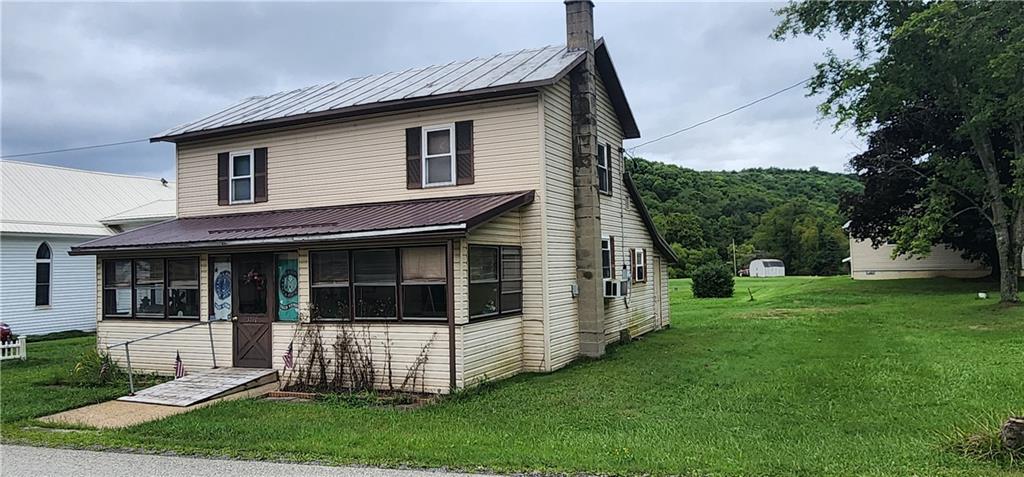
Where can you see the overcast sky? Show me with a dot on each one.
(80, 74)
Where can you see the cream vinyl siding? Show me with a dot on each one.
(156, 355)
(562, 326)
(493, 349)
(869, 263)
(405, 343)
(363, 160)
(620, 218)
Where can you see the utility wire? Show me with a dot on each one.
(634, 148)
(745, 106)
(79, 148)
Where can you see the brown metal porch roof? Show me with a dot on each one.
(448, 215)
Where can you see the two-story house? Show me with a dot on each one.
(472, 218)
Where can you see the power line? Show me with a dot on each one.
(634, 148)
(79, 148)
(745, 106)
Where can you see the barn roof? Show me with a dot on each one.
(478, 78)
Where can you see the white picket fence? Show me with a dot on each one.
(13, 350)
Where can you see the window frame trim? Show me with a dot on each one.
(424, 172)
(232, 177)
(49, 277)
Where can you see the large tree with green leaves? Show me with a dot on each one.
(961, 60)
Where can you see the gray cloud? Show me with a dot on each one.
(76, 74)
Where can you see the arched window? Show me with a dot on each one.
(43, 272)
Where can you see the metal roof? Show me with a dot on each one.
(503, 73)
(412, 217)
(42, 199)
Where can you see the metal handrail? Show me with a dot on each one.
(128, 358)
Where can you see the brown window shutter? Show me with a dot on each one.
(464, 153)
(413, 159)
(259, 170)
(632, 265)
(222, 179)
(611, 250)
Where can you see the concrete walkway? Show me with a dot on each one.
(17, 461)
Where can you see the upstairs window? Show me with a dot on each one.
(438, 158)
(43, 274)
(604, 164)
(241, 177)
(639, 265)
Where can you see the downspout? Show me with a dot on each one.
(450, 251)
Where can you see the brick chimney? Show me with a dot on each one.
(579, 25)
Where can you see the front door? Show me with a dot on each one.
(253, 285)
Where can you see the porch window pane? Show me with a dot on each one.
(483, 264)
(330, 303)
(149, 287)
(423, 264)
(375, 302)
(483, 299)
(424, 301)
(511, 279)
(329, 267)
(183, 280)
(117, 288)
(374, 266)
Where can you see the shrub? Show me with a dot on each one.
(713, 281)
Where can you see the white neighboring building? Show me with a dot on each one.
(767, 267)
(870, 263)
(44, 210)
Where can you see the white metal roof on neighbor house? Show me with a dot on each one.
(43, 199)
(504, 69)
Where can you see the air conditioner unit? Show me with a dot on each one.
(611, 288)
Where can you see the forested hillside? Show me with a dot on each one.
(779, 213)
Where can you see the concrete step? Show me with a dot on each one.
(203, 386)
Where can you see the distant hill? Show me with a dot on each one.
(702, 212)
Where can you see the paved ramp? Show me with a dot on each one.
(204, 386)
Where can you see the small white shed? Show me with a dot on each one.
(767, 267)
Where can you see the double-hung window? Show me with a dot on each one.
(607, 268)
(604, 163)
(375, 275)
(330, 285)
(438, 155)
(424, 283)
(241, 177)
(495, 280)
(149, 287)
(183, 288)
(639, 265)
(117, 288)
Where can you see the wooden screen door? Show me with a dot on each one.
(253, 309)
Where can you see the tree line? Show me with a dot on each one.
(791, 215)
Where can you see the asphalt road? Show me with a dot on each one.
(41, 461)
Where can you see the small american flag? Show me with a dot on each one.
(289, 362)
(179, 367)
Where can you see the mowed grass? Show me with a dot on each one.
(816, 376)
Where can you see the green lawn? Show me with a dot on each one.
(815, 377)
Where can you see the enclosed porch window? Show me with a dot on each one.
(151, 288)
(406, 283)
(495, 281)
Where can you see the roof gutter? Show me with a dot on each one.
(451, 228)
